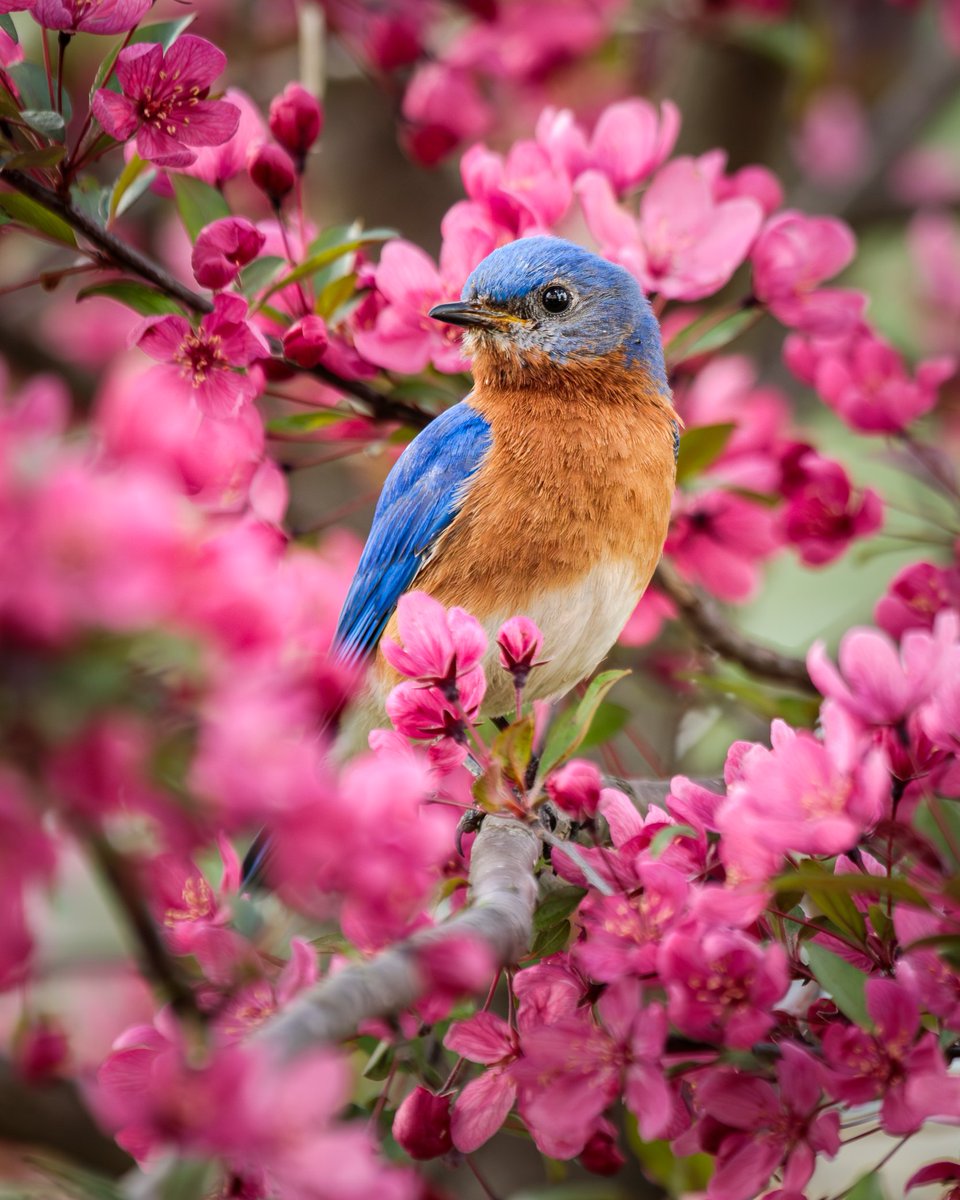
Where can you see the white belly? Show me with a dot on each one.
(579, 623)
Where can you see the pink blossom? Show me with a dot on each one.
(250, 1005)
(483, 1104)
(914, 597)
(685, 245)
(164, 101)
(880, 686)
(426, 713)
(222, 248)
(823, 513)
(865, 382)
(11, 52)
(719, 539)
(722, 984)
(296, 119)
(752, 182)
(80, 16)
(444, 106)
(802, 796)
(523, 192)
(793, 255)
(624, 931)
(219, 164)
(41, 1051)
(893, 1063)
(402, 338)
(601, 1155)
(832, 146)
(204, 360)
(936, 1172)
(921, 970)
(646, 620)
(439, 645)
(768, 1128)
(520, 643)
(631, 140)
(575, 788)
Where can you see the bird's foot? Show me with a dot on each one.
(470, 822)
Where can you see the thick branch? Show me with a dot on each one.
(54, 1117)
(706, 619)
(113, 251)
(503, 894)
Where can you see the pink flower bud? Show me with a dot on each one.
(40, 1050)
(422, 1124)
(272, 171)
(305, 343)
(520, 642)
(575, 788)
(222, 248)
(601, 1155)
(296, 119)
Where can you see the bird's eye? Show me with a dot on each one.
(555, 299)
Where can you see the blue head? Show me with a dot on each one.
(547, 295)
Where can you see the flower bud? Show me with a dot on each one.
(520, 642)
(421, 1125)
(305, 343)
(601, 1155)
(223, 247)
(296, 119)
(575, 788)
(272, 171)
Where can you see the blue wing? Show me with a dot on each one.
(422, 495)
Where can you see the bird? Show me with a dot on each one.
(546, 492)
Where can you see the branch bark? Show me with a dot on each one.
(503, 895)
(706, 619)
(53, 1116)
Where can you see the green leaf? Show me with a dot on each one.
(812, 875)
(31, 81)
(142, 298)
(796, 710)
(557, 906)
(8, 27)
(513, 748)
(326, 256)
(868, 1187)
(551, 941)
(133, 171)
(28, 160)
(572, 1191)
(306, 422)
(337, 293)
(28, 212)
(380, 1061)
(259, 273)
(663, 839)
(700, 447)
(679, 1176)
(835, 903)
(164, 32)
(570, 730)
(45, 121)
(707, 334)
(844, 982)
(198, 203)
(607, 722)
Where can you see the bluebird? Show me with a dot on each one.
(545, 492)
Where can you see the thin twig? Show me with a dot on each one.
(157, 962)
(705, 618)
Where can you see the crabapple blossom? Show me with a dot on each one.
(81, 16)
(296, 119)
(421, 1124)
(163, 101)
(439, 645)
(792, 256)
(271, 169)
(720, 539)
(914, 597)
(824, 513)
(306, 341)
(575, 788)
(520, 643)
(204, 360)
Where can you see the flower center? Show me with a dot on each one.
(199, 354)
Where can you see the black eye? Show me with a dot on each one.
(555, 299)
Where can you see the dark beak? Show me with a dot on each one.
(469, 313)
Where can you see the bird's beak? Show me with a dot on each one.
(468, 312)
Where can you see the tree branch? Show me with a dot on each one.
(705, 617)
(113, 251)
(503, 894)
(53, 1116)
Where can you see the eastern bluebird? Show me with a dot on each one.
(546, 492)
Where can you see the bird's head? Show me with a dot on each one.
(543, 298)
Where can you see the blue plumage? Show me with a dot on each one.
(421, 496)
